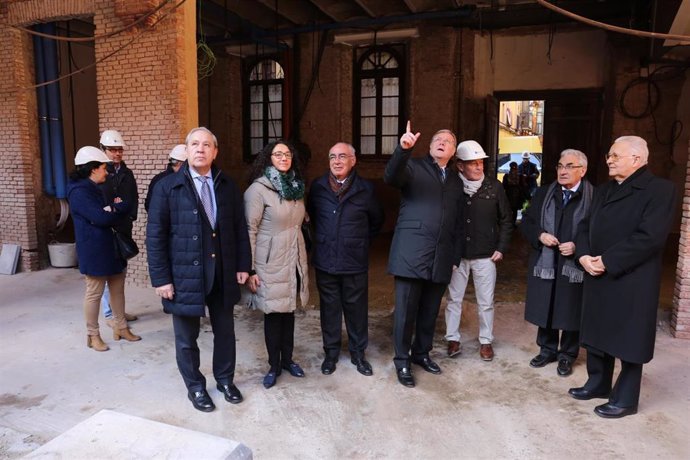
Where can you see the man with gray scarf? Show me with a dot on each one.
(487, 225)
(554, 280)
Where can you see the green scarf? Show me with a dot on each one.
(285, 184)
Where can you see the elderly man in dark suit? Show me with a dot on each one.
(345, 214)
(199, 254)
(620, 247)
(424, 248)
(554, 281)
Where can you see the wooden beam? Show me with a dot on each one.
(339, 11)
(299, 12)
(377, 9)
(253, 12)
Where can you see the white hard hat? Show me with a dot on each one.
(88, 154)
(525, 155)
(111, 138)
(470, 150)
(179, 153)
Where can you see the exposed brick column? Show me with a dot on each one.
(147, 91)
(18, 162)
(680, 317)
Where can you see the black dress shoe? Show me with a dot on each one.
(585, 394)
(405, 377)
(270, 379)
(541, 360)
(201, 401)
(609, 410)
(294, 369)
(363, 366)
(231, 392)
(428, 365)
(565, 367)
(328, 366)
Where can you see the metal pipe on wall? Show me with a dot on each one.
(42, 102)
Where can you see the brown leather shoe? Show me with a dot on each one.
(453, 348)
(95, 342)
(125, 334)
(486, 351)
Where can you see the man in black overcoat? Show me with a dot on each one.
(554, 280)
(620, 247)
(424, 247)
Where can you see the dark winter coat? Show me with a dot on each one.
(174, 240)
(426, 242)
(122, 184)
(557, 297)
(487, 221)
(343, 228)
(93, 229)
(147, 201)
(628, 227)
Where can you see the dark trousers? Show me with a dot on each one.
(279, 333)
(416, 307)
(547, 339)
(626, 391)
(344, 295)
(187, 351)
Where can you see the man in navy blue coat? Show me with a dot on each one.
(345, 214)
(198, 255)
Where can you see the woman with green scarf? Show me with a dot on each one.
(274, 208)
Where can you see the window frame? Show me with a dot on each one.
(247, 85)
(398, 51)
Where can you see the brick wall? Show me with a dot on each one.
(147, 91)
(680, 317)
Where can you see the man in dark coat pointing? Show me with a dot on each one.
(424, 247)
(620, 247)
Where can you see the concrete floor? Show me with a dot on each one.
(50, 381)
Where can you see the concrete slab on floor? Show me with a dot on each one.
(50, 382)
(110, 434)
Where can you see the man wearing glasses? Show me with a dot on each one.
(346, 215)
(621, 247)
(554, 280)
(425, 245)
(119, 183)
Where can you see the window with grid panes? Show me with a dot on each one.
(379, 78)
(265, 115)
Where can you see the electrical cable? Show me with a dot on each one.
(95, 37)
(622, 30)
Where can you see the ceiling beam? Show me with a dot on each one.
(253, 12)
(376, 9)
(339, 11)
(295, 11)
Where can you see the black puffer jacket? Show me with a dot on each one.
(174, 240)
(122, 184)
(425, 244)
(343, 228)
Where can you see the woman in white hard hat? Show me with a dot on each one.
(98, 259)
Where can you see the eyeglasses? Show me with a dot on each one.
(615, 157)
(282, 155)
(338, 156)
(567, 167)
(443, 141)
(115, 149)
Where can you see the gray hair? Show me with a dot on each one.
(448, 131)
(577, 154)
(204, 129)
(637, 145)
(349, 146)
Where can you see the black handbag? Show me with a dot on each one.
(125, 246)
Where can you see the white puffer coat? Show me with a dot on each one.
(278, 252)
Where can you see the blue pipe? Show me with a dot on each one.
(57, 147)
(44, 133)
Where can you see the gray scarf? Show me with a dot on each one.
(470, 187)
(545, 266)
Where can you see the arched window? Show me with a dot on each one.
(264, 104)
(378, 111)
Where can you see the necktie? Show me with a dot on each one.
(206, 200)
(443, 174)
(566, 196)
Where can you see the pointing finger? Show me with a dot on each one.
(409, 130)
